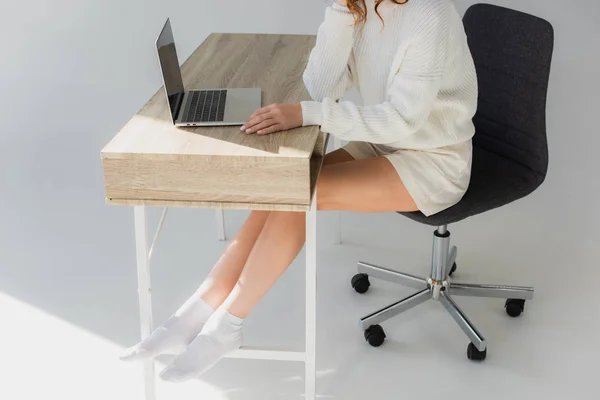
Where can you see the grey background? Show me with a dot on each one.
(72, 73)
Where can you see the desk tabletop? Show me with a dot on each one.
(152, 162)
(274, 63)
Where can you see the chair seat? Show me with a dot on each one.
(495, 181)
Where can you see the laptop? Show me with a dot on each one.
(202, 107)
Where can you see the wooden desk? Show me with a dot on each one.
(150, 162)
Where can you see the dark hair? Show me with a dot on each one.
(359, 9)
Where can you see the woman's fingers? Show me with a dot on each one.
(274, 118)
(255, 121)
(261, 126)
(255, 117)
(261, 111)
(269, 130)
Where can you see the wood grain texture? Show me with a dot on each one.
(225, 179)
(274, 63)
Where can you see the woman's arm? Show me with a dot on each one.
(411, 95)
(327, 73)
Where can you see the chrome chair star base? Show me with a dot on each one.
(437, 287)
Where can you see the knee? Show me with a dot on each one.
(258, 214)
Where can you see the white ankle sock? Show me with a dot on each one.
(175, 334)
(221, 335)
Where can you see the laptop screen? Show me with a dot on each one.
(169, 64)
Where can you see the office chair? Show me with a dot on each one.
(512, 53)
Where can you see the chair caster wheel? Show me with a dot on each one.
(452, 270)
(360, 283)
(474, 354)
(514, 307)
(375, 335)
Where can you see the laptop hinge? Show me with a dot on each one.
(178, 105)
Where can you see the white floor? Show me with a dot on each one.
(68, 306)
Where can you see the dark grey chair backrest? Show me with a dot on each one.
(513, 54)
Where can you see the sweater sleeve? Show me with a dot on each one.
(327, 73)
(412, 92)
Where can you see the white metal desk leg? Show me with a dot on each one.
(310, 371)
(220, 219)
(338, 144)
(144, 293)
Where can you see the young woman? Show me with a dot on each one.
(409, 150)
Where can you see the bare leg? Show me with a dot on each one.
(370, 185)
(225, 274)
(277, 246)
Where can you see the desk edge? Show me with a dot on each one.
(200, 204)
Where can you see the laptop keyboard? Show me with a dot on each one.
(205, 106)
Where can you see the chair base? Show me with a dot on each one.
(438, 287)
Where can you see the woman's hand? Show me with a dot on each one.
(274, 118)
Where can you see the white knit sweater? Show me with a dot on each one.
(416, 76)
